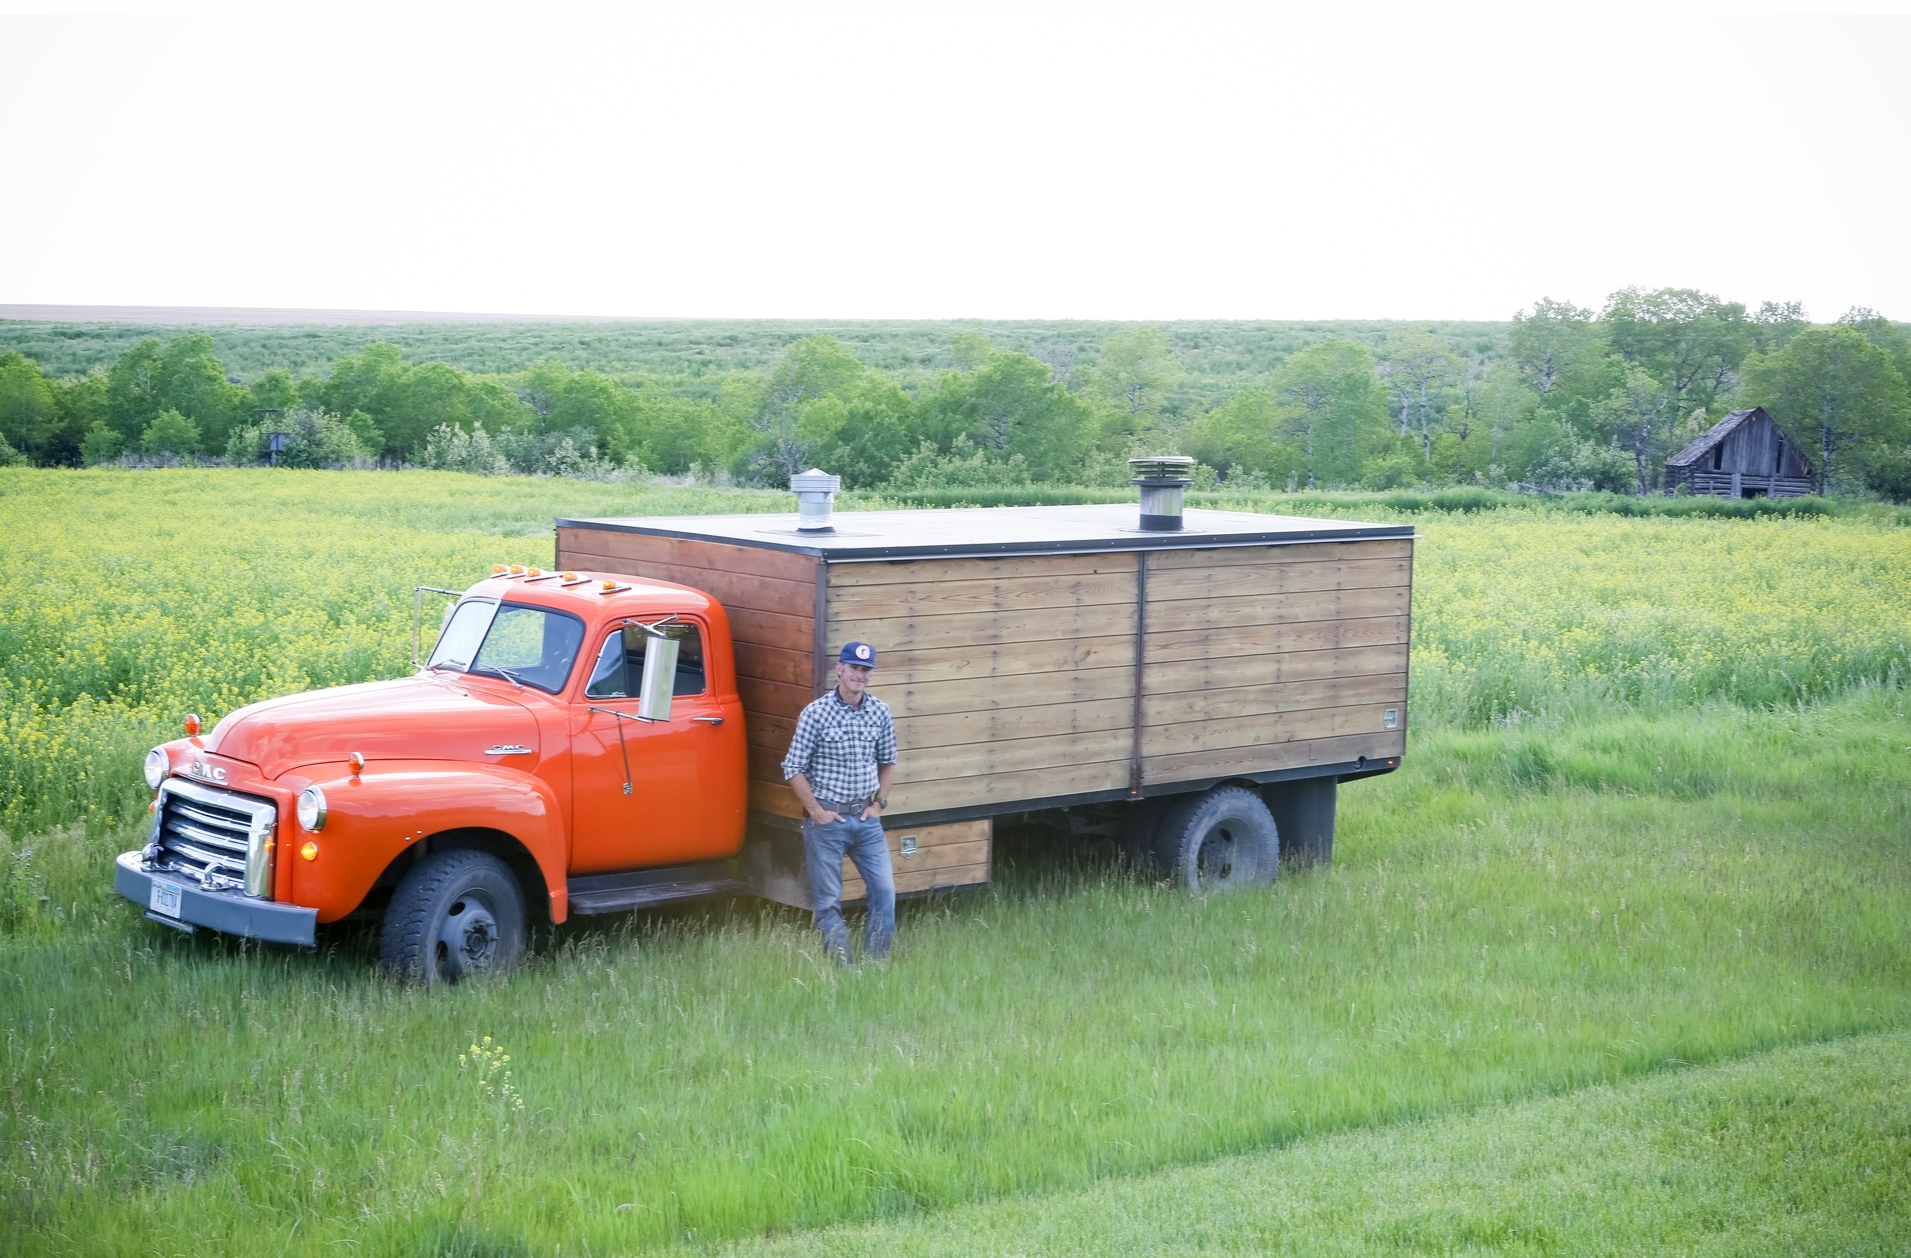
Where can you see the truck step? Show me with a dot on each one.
(618, 893)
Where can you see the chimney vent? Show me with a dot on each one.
(1163, 480)
(815, 497)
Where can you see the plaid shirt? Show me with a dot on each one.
(837, 747)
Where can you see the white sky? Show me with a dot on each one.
(1015, 162)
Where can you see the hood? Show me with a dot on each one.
(416, 718)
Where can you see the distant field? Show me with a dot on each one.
(1220, 355)
(1654, 811)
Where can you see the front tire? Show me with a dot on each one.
(1219, 840)
(455, 915)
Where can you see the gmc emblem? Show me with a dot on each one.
(209, 772)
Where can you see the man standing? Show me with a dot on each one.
(840, 765)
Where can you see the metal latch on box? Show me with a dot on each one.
(907, 844)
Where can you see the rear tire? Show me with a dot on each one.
(1219, 840)
(455, 915)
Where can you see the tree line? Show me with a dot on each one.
(1575, 398)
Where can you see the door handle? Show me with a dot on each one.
(708, 720)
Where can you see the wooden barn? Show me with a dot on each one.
(1744, 455)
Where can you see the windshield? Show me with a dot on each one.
(463, 631)
(530, 646)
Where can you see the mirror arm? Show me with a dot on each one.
(622, 749)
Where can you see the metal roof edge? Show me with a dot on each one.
(1164, 541)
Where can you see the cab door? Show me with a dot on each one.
(670, 813)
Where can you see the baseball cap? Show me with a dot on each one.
(858, 653)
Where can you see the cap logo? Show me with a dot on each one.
(862, 652)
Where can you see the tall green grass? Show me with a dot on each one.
(1519, 911)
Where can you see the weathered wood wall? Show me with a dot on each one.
(1276, 657)
(771, 598)
(1010, 679)
(1013, 679)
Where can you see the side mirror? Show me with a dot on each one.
(660, 672)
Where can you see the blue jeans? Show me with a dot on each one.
(824, 847)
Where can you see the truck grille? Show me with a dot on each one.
(205, 834)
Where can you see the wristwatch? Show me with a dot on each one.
(882, 801)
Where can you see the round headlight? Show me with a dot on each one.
(312, 808)
(158, 765)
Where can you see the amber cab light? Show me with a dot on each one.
(534, 572)
(610, 585)
(357, 761)
(567, 576)
(192, 725)
(498, 570)
(309, 851)
(517, 569)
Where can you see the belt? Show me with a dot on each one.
(854, 805)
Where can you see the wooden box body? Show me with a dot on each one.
(1035, 657)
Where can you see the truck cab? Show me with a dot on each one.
(566, 726)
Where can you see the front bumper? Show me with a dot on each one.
(230, 912)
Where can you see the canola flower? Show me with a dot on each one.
(133, 598)
(487, 1065)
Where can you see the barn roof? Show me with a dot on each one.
(1713, 435)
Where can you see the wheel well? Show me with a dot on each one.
(516, 857)
(507, 849)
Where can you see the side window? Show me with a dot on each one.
(619, 674)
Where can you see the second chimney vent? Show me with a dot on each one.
(1163, 480)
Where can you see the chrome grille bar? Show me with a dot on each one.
(209, 833)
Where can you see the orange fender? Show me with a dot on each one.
(372, 819)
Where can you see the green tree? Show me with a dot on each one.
(1558, 350)
(1833, 389)
(865, 432)
(83, 403)
(1421, 364)
(811, 369)
(133, 385)
(100, 443)
(1690, 342)
(1137, 371)
(1331, 403)
(1009, 404)
(192, 381)
(170, 433)
(1638, 417)
(29, 409)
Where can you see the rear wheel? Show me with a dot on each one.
(456, 914)
(1219, 840)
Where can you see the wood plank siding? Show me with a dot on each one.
(1013, 678)
(1005, 675)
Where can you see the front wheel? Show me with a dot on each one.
(456, 914)
(1219, 840)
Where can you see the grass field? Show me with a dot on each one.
(1801, 1150)
(1609, 856)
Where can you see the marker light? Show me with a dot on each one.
(610, 585)
(517, 569)
(535, 572)
(357, 761)
(498, 570)
(309, 851)
(158, 765)
(312, 810)
(568, 576)
(192, 725)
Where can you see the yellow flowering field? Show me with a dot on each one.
(132, 598)
(1521, 614)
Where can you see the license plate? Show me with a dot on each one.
(165, 898)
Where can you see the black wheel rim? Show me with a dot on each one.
(468, 938)
(1223, 859)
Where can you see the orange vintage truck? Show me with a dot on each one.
(605, 735)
